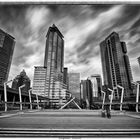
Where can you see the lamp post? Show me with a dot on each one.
(137, 96)
(20, 99)
(112, 91)
(30, 98)
(103, 99)
(5, 93)
(122, 94)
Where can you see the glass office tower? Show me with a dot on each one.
(7, 44)
(115, 65)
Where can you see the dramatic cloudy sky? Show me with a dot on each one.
(83, 27)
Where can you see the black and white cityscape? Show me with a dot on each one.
(69, 70)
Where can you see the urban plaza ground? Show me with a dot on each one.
(69, 123)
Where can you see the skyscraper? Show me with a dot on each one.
(21, 79)
(74, 84)
(54, 59)
(7, 43)
(115, 65)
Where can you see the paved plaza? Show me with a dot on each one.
(69, 120)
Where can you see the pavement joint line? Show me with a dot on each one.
(51, 129)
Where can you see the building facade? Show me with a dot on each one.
(86, 96)
(54, 61)
(74, 84)
(7, 44)
(96, 85)
(21, 79)
(115, 65)
(39, 80)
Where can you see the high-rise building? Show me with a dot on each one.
(96, 85)
(7, 44)
(21, 79)
(74, 84)
(115, 65)
(54, 59)
(39, 80)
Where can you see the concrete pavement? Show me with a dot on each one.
(70, 123)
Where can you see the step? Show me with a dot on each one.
(22, 132)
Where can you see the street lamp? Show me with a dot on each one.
(5, 93)
(112, 91)
(137, 96)
(20, 96)
(30, 98)
(121, 96)
(103, 99)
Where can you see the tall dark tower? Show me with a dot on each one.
(7, 44)
(54, 59)
(115, 65)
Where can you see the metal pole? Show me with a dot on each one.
(137, 98)
(122, 93)
(111, 97)
(20, 99)
(67, 103)
(77, 105)
(5, 94)
(103, 99)
(30, 99)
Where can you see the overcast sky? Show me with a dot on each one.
(83, 27)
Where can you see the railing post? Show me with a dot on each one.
(122, 94)
(137, 98)
(20, 98)
(30, 98)
(111, 97)
(103, 99)
(5, 94)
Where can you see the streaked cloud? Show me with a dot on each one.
(83, 27)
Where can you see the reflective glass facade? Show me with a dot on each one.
(55, 88)
(7, 44)
(115, 65)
